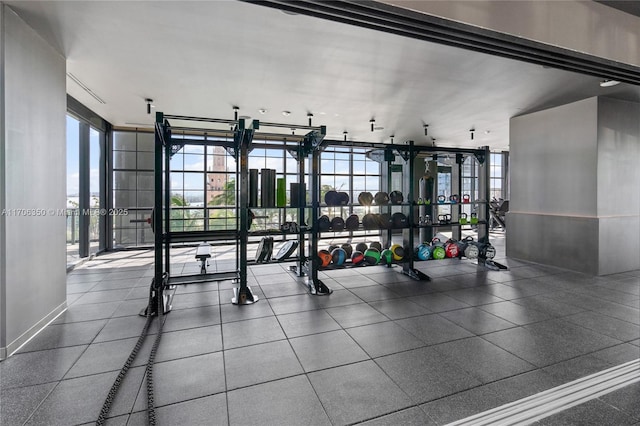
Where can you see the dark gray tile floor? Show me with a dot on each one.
(381, 350)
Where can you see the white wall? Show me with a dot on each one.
(34, 149)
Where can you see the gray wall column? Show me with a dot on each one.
(33, 184)
(574, 186)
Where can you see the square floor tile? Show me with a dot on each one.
(184, 379)
(625, 399)
(62, 335)
(17, 404)
(109, 356)
(384, 338)
(205, 411)
(251, 332)
(125, 327)
(549, 342)
(88, 312)
(231, 312)
(308, 322)
(476, 320)
(548, 305)
(79, 400)
(410, 417)
(337, 298)
(193, 300)
(186, 343)
(425, 375)
(482, 359)
(357, 392)
(103, 296)
(182, 319)
(355, 315)
(260, 363)
(325, 350)
(606, 325)
(283, 289)
(438, 302)
(515, 313)
(591, 413)
(619, 354)
(576, 368)
(374, 293)
(474, 296)
(410, 288)
(290, 401)
(298, 303)
(354, 281)
(33, 368)
(399, 308)
(433, 329)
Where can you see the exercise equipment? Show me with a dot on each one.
(487, 251)
(385, 221)
(348, 249)
(331, 247)
(362, 247)
(396, 197)
(437, 249)
(338, 256)
(451, 249)
(265, 250)
(381, 198)
(372, 256)
(365, 198)
(399, 220)
(398, 252)
(290, 227)
(468, 247)
(294, 191)
(268, 187)
(253, 187)
(466, 198)
(331, 198)
(376, 245)
(281, 192)
(441, 199)
(203, 254)
(357, 257)
(463, 218)
(324, 224)
(343, 198)
(286, 250)
(386, 257)
(453, 198)
(423, 252)
(353, 222)
(444, 219)
(474, 218)
(370, 221)
(497, 213)
(337, 224)
(324, 257)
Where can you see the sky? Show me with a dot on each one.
(73, 159)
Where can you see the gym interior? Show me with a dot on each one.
(321, 213)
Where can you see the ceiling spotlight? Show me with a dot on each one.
(345, 133)
(426, 129)
(608, 83)
(235, 112)
(472, 130)
(148, 101)
(310, 115)
(262, 111)
(373, 122)
(286, 113)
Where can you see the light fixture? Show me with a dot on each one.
(148, 101)
(235, 112)
(373, 122)
(345, 133)
(286, 113)
(426, 129)
(472, 130)
(262, 111)
(609, 83)
(310, 116)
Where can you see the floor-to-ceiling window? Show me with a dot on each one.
(86, 184)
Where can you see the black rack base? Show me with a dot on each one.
(243, 296)
(415, 274)
(318, 288)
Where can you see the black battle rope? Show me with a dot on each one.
(149, 370)
(151, 409)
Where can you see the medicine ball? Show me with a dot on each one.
(396, 197)
(372, 256)
(398, 252)
(376, 245)
(348, 249)
(369, 221)
(361, 247)
(353, 222)
(399, 220)
(338, 256)
(423, 252)
(324, 257)
(384, 221)
(331, 248)
(365, 198)
(324, 224)
(343, 198)
(488, 251)
(337, 224)
(357, 257)
(381, 198)
(331, 198)
(386, 257)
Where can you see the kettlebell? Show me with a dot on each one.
(441, 199)
(442, 218)
(453, 198)
(463, 218)
(466, 198)
(474, 218)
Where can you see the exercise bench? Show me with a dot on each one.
(203, 254)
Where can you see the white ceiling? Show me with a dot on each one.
(202, 58)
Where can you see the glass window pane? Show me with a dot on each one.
(146, 142)
(124, 160)
(125, 141)
(146, 161)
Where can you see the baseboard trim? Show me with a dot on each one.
(32, 332)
